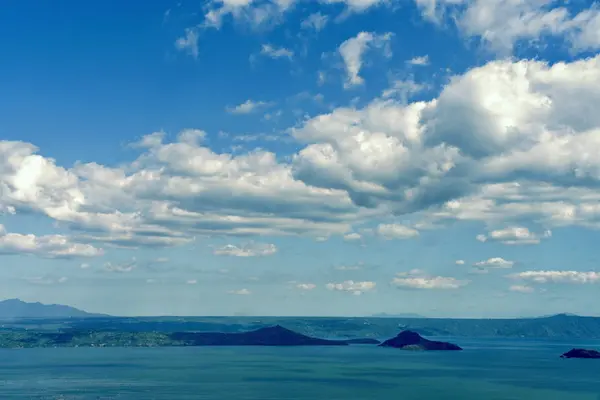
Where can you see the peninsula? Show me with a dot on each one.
(581, 353)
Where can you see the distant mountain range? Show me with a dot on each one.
(15, 309)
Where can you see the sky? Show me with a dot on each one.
(295, 157)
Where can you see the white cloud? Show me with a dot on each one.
(352, 237)
(247, 107)
(403, 90)
(150, 281)
(255, 13)
(558, 276)
(358, 6)
(315, 21)
(356, 288)
(85, 266)
(502, 23)
(395, 231)
(250, 249)
(121, 267)
(521, 289)
(48, 246)
(514, 236)
(306, 286)
(191, 282)
(460, 262)
(276, 52)
(188, 43)
(511, 144)
(241, 292)
(353, 51)
(420, 60)
(417, 279)
(494, 262)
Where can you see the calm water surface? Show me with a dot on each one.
(488, 370)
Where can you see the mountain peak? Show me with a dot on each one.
(17, 309)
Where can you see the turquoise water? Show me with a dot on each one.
(485, 370)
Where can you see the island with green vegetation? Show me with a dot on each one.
(268, 336)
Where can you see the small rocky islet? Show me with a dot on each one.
(581, 353)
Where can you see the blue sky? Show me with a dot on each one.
(287, 157)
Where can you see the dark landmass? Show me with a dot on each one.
(17, 309)
(581, 353)
(269, 336)
(409, 340)
(560, 326)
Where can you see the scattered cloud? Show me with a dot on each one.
(188, 43)
(121, 267)
(276, 52)
(248, 107)
(352, 237)
(354, 49)
(514, 236)
(84, 266)
(417, 279)
(521, 289)
(502, 24)
(306, 286)
(460, 262)
(191, 282)
(46, 280)
(356, 288)
(250, 249)
(241, 292)
(493, 263)
(256, 14)
(420, 60)
(348, 267)
(558, 276)
(48, 246)
(395, 231)
(315, 21)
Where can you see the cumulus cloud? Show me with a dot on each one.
(48, 246)
(354, 49)
(271, 51)
(241, 292)
(509, 143)
(356, 288)
(514, 236)
(250, 249)
(417, 279)
(306, 286)
(503, 23)
(395, 231)
(577, 277)
(248, 107)
(419, 60)
(493, 263)
(352, 237)
(460, 262)
(191, 282)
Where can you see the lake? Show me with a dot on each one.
(486, 369)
